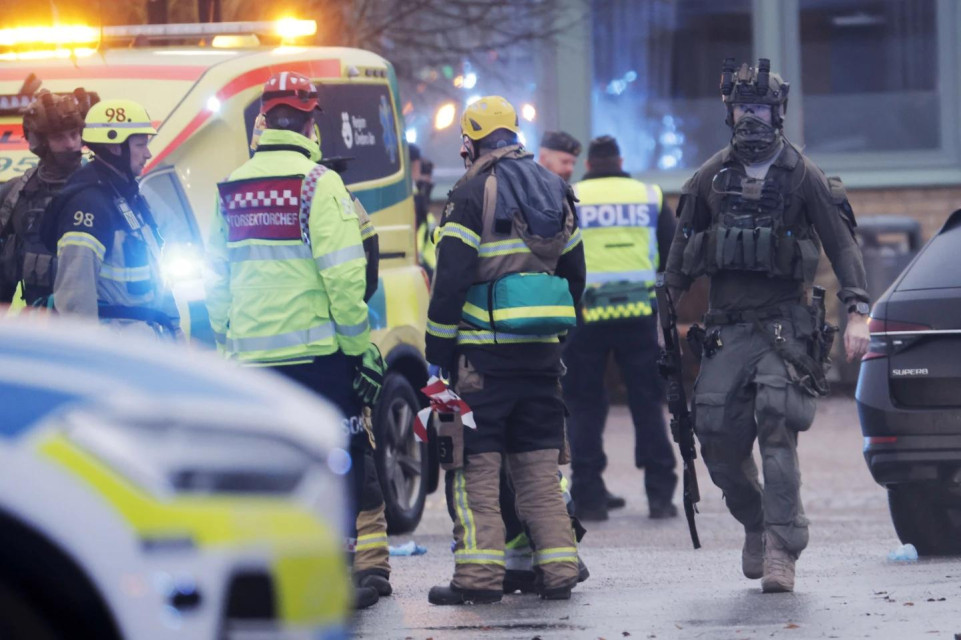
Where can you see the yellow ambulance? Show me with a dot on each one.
(204, 97)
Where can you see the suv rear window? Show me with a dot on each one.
(938, 266)
(357, 123)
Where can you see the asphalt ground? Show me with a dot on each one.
(648, 582)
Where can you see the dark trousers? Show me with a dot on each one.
(332, 377)
(634, 345)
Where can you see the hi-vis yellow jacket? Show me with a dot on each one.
(619, 218)
(286, 268)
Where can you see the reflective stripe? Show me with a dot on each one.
(367, 230)
(441, 330)
(340, 256)
(220, 338)
(462, 233)
(644, 275)
(117, 125)
(463, 511)
(81, 239)
(247, 252)
(518, 555)
(125, 274)
(575, 240)
(488, 337)
(514, 313)
(612, 312)
(371, 541)
(479, 556)
(557, 554)
(503, 248)
(352, 330)
(282, 340)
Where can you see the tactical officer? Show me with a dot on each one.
(106, 239)
(627, 229)
(51, 125)
(754, 219)
(558, 153)
(510, 267)
(286, 284)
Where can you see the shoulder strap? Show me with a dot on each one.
(307, 198)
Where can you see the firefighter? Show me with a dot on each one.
(627, 231)
(106, 239)
(510, 268)
(52, 125)
(286, 285)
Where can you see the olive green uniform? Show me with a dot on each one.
(759, 240)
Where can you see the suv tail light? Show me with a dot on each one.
(881, 334)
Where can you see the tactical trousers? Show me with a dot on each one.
(634, 345)
(746, 391)
(520, 424)
(332, 377)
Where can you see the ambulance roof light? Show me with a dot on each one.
(288, 28)
(58, 35)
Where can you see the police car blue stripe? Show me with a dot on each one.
(25, 406)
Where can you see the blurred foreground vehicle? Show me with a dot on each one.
(909, 395)
(201, 83)
(151, 492)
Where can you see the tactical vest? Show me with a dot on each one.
(618, 219)
(527, 224)
(24, 257)
(750, 230)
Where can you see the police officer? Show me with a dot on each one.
(509, 269)
(558, 152)
(627, 229)
(106, 239)
(51, 125)
(754, 219)
(286, 289)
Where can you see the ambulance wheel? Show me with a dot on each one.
(20, 620)
(402, 460)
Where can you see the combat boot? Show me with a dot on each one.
(778, 566)
(375, 581)
(447, 594)
(752, 555)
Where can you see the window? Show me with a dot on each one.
(169, 208)
(358, 125)
(869, 72)
(938, 266)
(656, 71)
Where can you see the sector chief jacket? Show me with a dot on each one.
(286, 269)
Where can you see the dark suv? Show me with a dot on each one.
(909, 395)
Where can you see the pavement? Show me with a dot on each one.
(648, 582)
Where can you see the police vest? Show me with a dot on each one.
(618, 220)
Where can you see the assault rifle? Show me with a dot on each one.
(682, 423)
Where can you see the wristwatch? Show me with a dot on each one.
(861, 308)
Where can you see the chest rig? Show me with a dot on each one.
(24, 257)
(755, 225)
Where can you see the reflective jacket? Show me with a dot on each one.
(618, 217)
(108, 252)
(286, 268)
(492, 226)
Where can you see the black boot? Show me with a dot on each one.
(518, 580)
(614, 502)
(365, 597)
(375, 581)
(449, 594)
(582, 572)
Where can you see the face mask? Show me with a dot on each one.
(754, 139)
(68, 160)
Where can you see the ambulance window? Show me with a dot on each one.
(358, 124)
(169, 207)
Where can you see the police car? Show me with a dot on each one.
(204, 101)
(152, 492)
